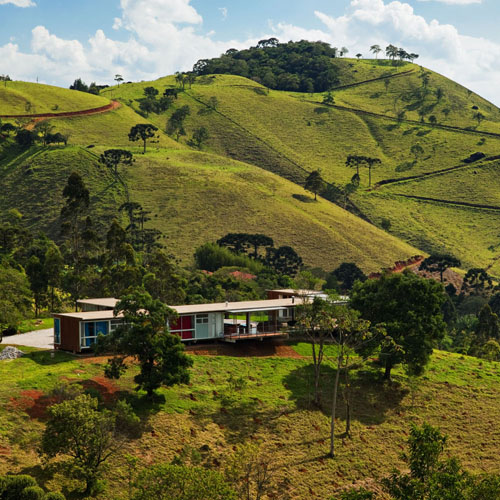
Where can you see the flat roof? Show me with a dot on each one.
(102, 302)
(232, 307)
(297, 292)
(89, 315)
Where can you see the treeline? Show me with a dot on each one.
(296, 66)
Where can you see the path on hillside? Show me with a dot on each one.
(442, 171)
(39, 117)
(371, 80)
(448, 202)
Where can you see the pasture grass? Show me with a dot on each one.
(271, 407)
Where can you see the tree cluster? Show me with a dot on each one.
(296, 66)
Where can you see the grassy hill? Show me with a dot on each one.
(20, 98)
(291, 134)
(196, 197)
(458, 394)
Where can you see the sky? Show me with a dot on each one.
(57, 41)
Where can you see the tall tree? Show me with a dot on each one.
(376, 50)
(410, 309)
(142, 131)
(175, 124)
(347, 274)
(114, 157)
(314, 183)
(439, 263)
(15, 297)
(118, 79)
(144, 336)
(284, 260)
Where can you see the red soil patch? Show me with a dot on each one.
(5, 451)
(33, 402)
(244, 349)
(106, 388)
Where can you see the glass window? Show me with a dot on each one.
(92, 330)
(201, 319)
(57, 331)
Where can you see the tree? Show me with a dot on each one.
(114, 157)
(487, 327)
(328, 98)
(410, 309)
(284, 260)
(417, 151)
(144, 336)
(74, 214)
(477, 282)
(179, 482)
(432, 478)
(43, 128)
(25, 138)
(142, 131)
(376, 50)
(439, 263)
(76, 428)
(53, 264)
(314, 322)
(370, 163)
(359, 55)
(118, 79)
(347, 274)
(151, 92)
(391, 52)
(479, 117)
(175, 124)
(200, 135)
(314, 183)
(344, 51)
(15, 297)
(24, 487)
(78, 84)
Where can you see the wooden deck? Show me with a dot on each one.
(233, 337)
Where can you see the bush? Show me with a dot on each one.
(211, 257)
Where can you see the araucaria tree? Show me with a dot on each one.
(410, 309)
(439, 263)
(144, 336)
(114, 157)
(142, 131)
(314, 183)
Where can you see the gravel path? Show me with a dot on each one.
(43, 339)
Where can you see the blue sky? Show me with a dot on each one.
(57, 41)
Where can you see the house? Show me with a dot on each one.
(228, 321)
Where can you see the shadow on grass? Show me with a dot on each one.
(48, 358)
(371, 397)
(303, 198)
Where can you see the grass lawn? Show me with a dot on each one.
(460, 395)
(30, 325)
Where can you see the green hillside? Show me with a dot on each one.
(21, 98)
(291, 134)
(207, 419)
(197, 197)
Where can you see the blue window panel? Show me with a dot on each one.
(101, 328)
(57, 331)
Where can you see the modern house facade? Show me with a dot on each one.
(228, 321)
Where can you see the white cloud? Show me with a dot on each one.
(19, 3)
(223, 11)
(455, 2)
